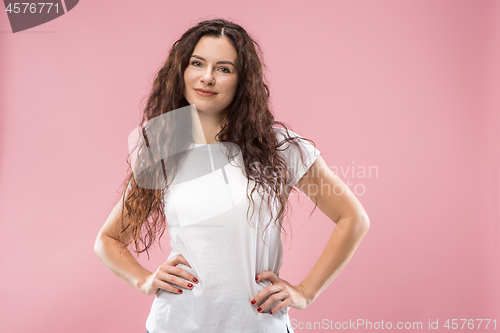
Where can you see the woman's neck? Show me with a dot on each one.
(210, 125)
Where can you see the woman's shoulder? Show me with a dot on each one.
(296, 142)
(282, 133)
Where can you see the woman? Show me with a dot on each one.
(222, 157)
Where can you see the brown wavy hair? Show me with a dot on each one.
(248, 123)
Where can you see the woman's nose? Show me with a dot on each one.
(207, 77)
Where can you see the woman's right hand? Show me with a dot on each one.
(168, 274)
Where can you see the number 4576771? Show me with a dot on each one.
(16, 7)
(469, 323)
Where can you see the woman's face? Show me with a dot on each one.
(212, 67)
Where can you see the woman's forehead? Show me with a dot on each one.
(215, 49)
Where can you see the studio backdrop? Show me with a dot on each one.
(401, 98)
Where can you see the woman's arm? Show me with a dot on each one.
(119, 260)
(114, 254)
(335, 200)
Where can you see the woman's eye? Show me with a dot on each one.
(198, 64)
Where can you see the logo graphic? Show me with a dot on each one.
(26, 15)
(171, 148)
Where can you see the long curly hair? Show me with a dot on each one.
(248, 124)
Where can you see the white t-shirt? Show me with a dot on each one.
(206, 211)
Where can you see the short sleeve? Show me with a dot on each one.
(292, 155)
(129, 188)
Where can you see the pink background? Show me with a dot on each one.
(410, 88)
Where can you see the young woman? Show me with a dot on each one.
(221, 182)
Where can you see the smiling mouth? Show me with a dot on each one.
(204, 93)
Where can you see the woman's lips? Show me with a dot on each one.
(204, 94)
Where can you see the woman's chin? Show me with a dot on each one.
(208, 110)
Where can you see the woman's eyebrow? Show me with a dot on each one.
(218, 62)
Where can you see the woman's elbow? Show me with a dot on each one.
(361, 223)
(99, 244)
(364, 223)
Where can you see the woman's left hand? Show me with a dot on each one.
(280, 290)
